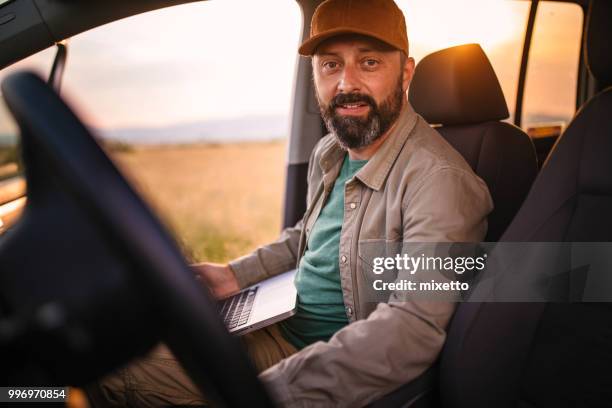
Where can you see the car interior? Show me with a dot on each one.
(457, 89)
(82, 215)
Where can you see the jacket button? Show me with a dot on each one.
(349, 311)
(343, 258)
(353, 206)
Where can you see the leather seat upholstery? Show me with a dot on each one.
(548, 354)
(457, 89)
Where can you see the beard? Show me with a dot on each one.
(353, 132)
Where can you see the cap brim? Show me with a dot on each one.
(309, 46)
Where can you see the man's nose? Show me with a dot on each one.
(349, 81)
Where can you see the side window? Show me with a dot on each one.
(193, 103)
(552, 73)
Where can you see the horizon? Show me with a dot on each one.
(124, 75)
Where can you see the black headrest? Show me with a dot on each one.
(599, 34)
(457, 86)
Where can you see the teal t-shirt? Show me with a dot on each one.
(320, 310)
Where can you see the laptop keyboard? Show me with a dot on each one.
(236, 310)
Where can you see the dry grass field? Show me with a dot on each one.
(221, 201)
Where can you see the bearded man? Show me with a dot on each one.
(381, 174)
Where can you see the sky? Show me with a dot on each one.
(224, 59)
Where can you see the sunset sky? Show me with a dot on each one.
(224, 59)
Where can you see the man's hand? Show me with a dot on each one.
(219, 278)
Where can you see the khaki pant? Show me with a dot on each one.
(158, 380)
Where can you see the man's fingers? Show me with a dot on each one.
(218, 278)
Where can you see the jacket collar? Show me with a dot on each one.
(374, 173)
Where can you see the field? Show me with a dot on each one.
(8, 161)
(221, 201)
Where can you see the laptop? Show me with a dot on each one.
(260, 305)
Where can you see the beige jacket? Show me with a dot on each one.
(415, 188)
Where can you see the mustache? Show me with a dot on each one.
(342, 99)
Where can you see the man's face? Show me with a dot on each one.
(361, 87)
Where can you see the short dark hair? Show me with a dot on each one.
(403, 59)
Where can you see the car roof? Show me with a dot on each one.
(27, 27)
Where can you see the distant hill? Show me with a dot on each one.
(7, 139)
(541, 118)
(218, 131)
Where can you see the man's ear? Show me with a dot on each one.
(407, 72)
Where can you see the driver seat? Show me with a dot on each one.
(535, 355)
(457, 91)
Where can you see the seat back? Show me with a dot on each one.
(548, 354)
(457, 89)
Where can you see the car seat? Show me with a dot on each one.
(548, 354)
(457, 89)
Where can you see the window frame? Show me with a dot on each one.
(584, 86)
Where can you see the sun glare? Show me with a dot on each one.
(436, 24)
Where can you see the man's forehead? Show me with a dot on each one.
(353, 43)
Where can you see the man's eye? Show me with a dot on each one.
(330, 65)
(370, 63)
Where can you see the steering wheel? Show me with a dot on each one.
(89, 276)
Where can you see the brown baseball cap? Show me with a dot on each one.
(380, 19)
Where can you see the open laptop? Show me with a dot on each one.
(260, 305)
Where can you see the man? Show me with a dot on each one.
(382, 174)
